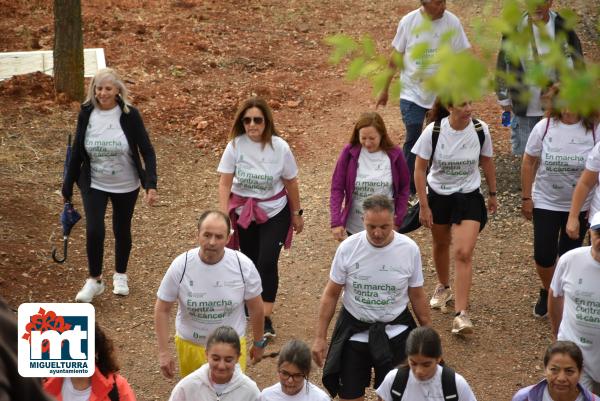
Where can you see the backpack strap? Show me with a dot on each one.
(435, 135)
(113, 395)
(449, 384)
(184, 268)
(240, 266)
(400, 381)
(480, 133)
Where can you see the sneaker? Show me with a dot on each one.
(269, 331)
(120, 284)
(91, 288)
(462, 324)
(541, 306)
(441, 296)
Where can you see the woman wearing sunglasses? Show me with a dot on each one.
(294, 368)
(258, 188)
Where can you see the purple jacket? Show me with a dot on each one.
(344, 179)
(536, 393)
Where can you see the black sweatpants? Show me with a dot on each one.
(262, 244)
(94, 203)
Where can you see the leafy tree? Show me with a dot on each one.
(469, 76)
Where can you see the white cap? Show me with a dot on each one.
(595, 222)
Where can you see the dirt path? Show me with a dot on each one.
(189, 61)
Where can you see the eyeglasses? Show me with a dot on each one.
(285, 375)
(257, 120)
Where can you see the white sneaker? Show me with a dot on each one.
(90, 289)
(462, 324)
(441, 296)
(120, 284)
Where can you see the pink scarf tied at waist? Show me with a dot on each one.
(251, 210)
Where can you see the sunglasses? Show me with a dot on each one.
(257, 120)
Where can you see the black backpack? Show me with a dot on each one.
(448, 384)
(411, 219)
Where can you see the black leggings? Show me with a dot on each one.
(94, 203)
(262, 244)
(550, 240)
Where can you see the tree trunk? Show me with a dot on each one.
(68, 49)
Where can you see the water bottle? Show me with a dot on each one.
(506, 119)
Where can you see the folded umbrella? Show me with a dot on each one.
(69, 216)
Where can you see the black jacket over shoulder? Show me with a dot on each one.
(79, 169)
(571, 47)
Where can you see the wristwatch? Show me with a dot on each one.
(262, 343)
(298, 212)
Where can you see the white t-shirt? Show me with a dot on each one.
(70, 393)
(111, 161)
(427, 390)
(373, 176)
(257, 171)
(562, 160)
(209, 296)
(577, 279)
(309, 392)
(417, 70)
(376, 280)
(593, 164)
(455, 166)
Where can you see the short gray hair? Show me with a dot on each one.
(378, 202)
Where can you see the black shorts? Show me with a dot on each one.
(452, 209)
(550, 239)
(357, 364)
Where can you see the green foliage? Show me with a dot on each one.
(470, 75)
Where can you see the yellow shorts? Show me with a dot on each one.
(191, 355)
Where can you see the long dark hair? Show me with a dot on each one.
(105, 353)
(297, 353)
(225, 335)
(238, 126)
(438, 111)
(424, 341)
(372, 119)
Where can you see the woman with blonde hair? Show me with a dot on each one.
(106, 165)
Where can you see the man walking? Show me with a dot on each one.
(379, 271)
(522, 100)
(415, 100)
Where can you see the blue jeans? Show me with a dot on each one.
(521, 128)
(413, 116)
